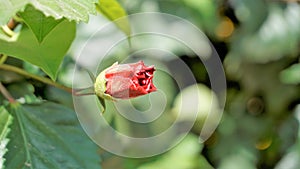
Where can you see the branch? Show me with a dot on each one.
(6, 94)
(36, 77)
(12, 24)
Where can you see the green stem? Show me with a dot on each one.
(36, 77)
(2, 58)
(18, 19)
(8, 31)
(6, 94)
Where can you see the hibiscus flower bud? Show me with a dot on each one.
(125, 81)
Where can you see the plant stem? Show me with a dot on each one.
(2, 58)
(8, 31)
(36, 77)
(12, 24)
(6, 94)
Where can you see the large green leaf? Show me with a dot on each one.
(47, 55)
(115, 12)
(38, 22)
(78, 10)
(48, 135)
(5, 121)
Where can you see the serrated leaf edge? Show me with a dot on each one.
(3, 140)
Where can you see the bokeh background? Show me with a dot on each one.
(258, 44)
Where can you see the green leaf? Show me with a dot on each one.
(5, 121)
(184, 156)
(40, 25)
(206, 10)
(115, 12)
(102, 103)
(48, 135)
(49, 54)
(92, 76)
(291, 75)
(78, 10)
(204, 102)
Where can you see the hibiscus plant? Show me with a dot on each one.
(149, 93)
(35, 36)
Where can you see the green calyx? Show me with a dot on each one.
(100, 86)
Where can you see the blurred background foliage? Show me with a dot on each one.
(258, 43)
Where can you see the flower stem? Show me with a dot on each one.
(6, 94)
(36, 77)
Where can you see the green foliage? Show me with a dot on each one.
(206, 11)
(48, 54)
(44, 134)
(266, 37)
(185, 108)
(260, 125)
(40, 25)
(291, 158)
(115, 12)
(48, 135)
(72, 10)
(291, 75)
(183, 156)
(5, 121)
(41, 17)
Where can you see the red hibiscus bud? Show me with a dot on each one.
(125, 81)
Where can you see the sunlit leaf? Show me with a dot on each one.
(183, 156)
(115, 12)
(78, 10)
(291, 75)
(196, 102)
(236, 161)
(207, 12)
